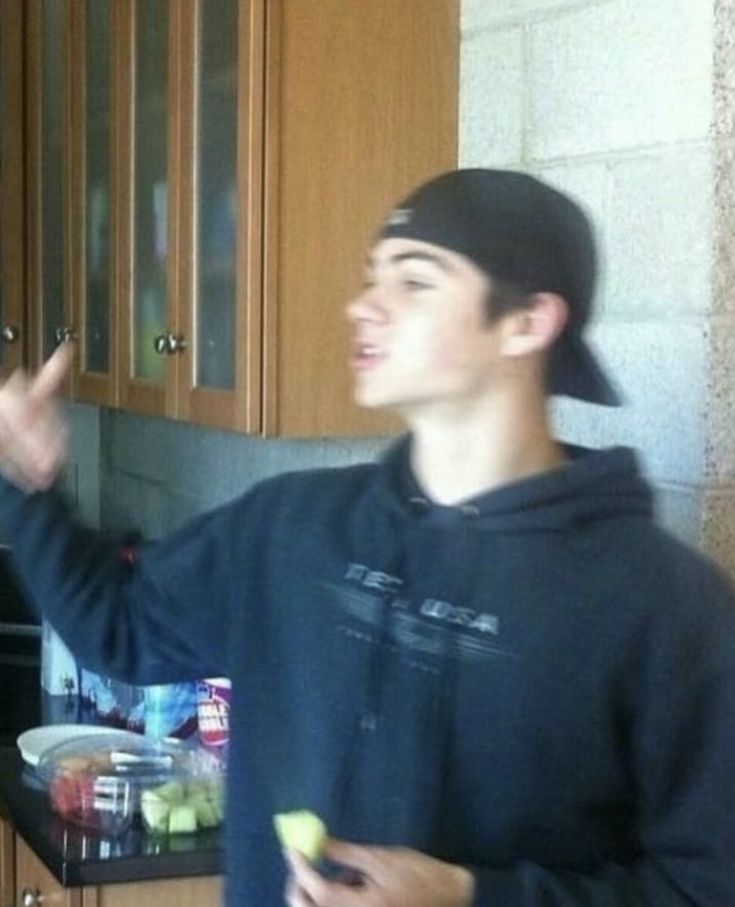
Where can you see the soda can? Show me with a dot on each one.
(213, 710)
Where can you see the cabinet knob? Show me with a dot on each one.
(31, 897)
(168, 344)
(9, 333)
(65, 334)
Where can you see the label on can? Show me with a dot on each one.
(213, 709)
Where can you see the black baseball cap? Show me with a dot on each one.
(522, 231)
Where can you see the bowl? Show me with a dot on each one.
(105, 784)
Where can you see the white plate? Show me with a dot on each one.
(34, 743)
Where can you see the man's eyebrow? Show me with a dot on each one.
(415, 255)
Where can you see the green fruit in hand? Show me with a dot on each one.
(303, 831)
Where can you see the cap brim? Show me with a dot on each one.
(575, 372)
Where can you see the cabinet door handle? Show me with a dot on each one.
(31, 897)
(168, 344)
(65, 334)
(9, 333)
(176, 343)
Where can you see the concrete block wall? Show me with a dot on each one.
(628, 105)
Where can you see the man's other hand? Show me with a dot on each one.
(33, 434)
(388, 877)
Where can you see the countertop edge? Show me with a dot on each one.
(19, 805)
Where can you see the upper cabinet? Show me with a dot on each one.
(166, 161)
(204, 180)
(362, 106)
(13, 336)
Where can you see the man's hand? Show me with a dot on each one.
(33, 435)
(388, 877)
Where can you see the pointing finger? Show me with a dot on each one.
(52, 374)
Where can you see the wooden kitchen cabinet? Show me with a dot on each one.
(13, 336)
(362, 106)
(7, 863)
(204, 180)
(34, 879)
(166, 160)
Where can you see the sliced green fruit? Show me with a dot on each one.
(172, 791)
(155, 810)
(301, 830)
(182, 818)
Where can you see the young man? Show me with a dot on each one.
(479, 660)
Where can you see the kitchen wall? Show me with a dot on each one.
(629, 105)
(156, 474)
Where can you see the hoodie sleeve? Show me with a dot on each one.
(682, 698)
(160, 620)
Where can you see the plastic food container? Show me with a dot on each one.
(105, 785)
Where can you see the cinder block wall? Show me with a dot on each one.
(630, 106)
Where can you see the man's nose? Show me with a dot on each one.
(367, 305)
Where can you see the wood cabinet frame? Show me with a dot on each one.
(12, 226)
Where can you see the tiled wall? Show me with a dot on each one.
(628, 105)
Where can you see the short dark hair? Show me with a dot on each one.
(503, 297)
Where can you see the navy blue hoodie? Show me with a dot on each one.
(539, 684)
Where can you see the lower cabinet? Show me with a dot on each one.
(34, 886)
(7, 864)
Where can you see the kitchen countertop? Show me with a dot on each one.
(77, 857)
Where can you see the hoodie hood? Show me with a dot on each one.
(591, 485)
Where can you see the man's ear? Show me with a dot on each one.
(535, 327)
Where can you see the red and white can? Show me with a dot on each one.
(213, 710)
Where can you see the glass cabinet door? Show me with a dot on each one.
(97, 185)
(53, 232)
(92, 88)
(188, 152)
(150, 189)
(144, 38)
(49, 125)
(220, 166)
(12, 333)
(215, 215)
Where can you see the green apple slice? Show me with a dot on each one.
(303, 831)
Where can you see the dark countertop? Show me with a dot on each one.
(78, 857)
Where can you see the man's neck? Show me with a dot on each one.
(457, 457)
